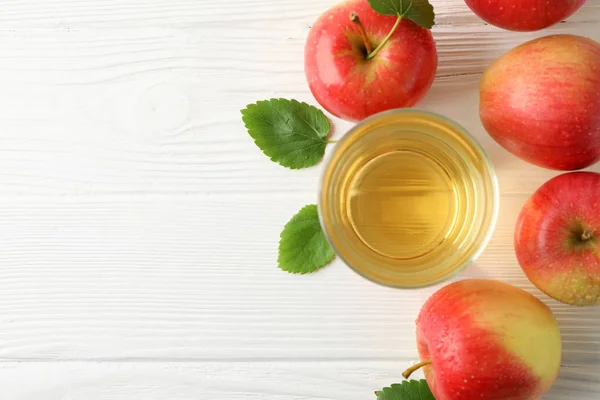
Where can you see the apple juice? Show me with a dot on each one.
(408, 198)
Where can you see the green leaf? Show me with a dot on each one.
(291, 133)
(408, 390)
(421, 13)
(389, 7)
(418, 11)
(303, 247)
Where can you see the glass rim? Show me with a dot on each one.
(486, 237)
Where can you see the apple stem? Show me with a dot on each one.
(587, 235)
(385, 40)
(406, 374)
(354, 18)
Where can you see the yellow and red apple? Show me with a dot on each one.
(484, 339)
(519, 15)
(557, 238)
(351, 78)
(541, 101)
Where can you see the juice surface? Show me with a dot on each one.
(408, 198)
(403, 204)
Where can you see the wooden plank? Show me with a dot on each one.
(133, 13)
(230, 381)
(118, 98)
(188, 278)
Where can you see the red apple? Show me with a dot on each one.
(541, 102)
(519, 15)
(484, 339)
(349, 84)
(557, 239)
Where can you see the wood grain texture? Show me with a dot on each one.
(347, 380)
(139, 223)
(129, 97)
(196, 279)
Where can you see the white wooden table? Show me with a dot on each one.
(139, 222)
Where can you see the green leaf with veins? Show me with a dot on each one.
(408, 390)
(389, 7)
(303, 247)
(291, 133)
(418, 11)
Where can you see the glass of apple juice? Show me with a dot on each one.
(408, 198)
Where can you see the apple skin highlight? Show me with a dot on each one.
(557, 238)
(352, 87)
(524, 15)
(488, 340)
